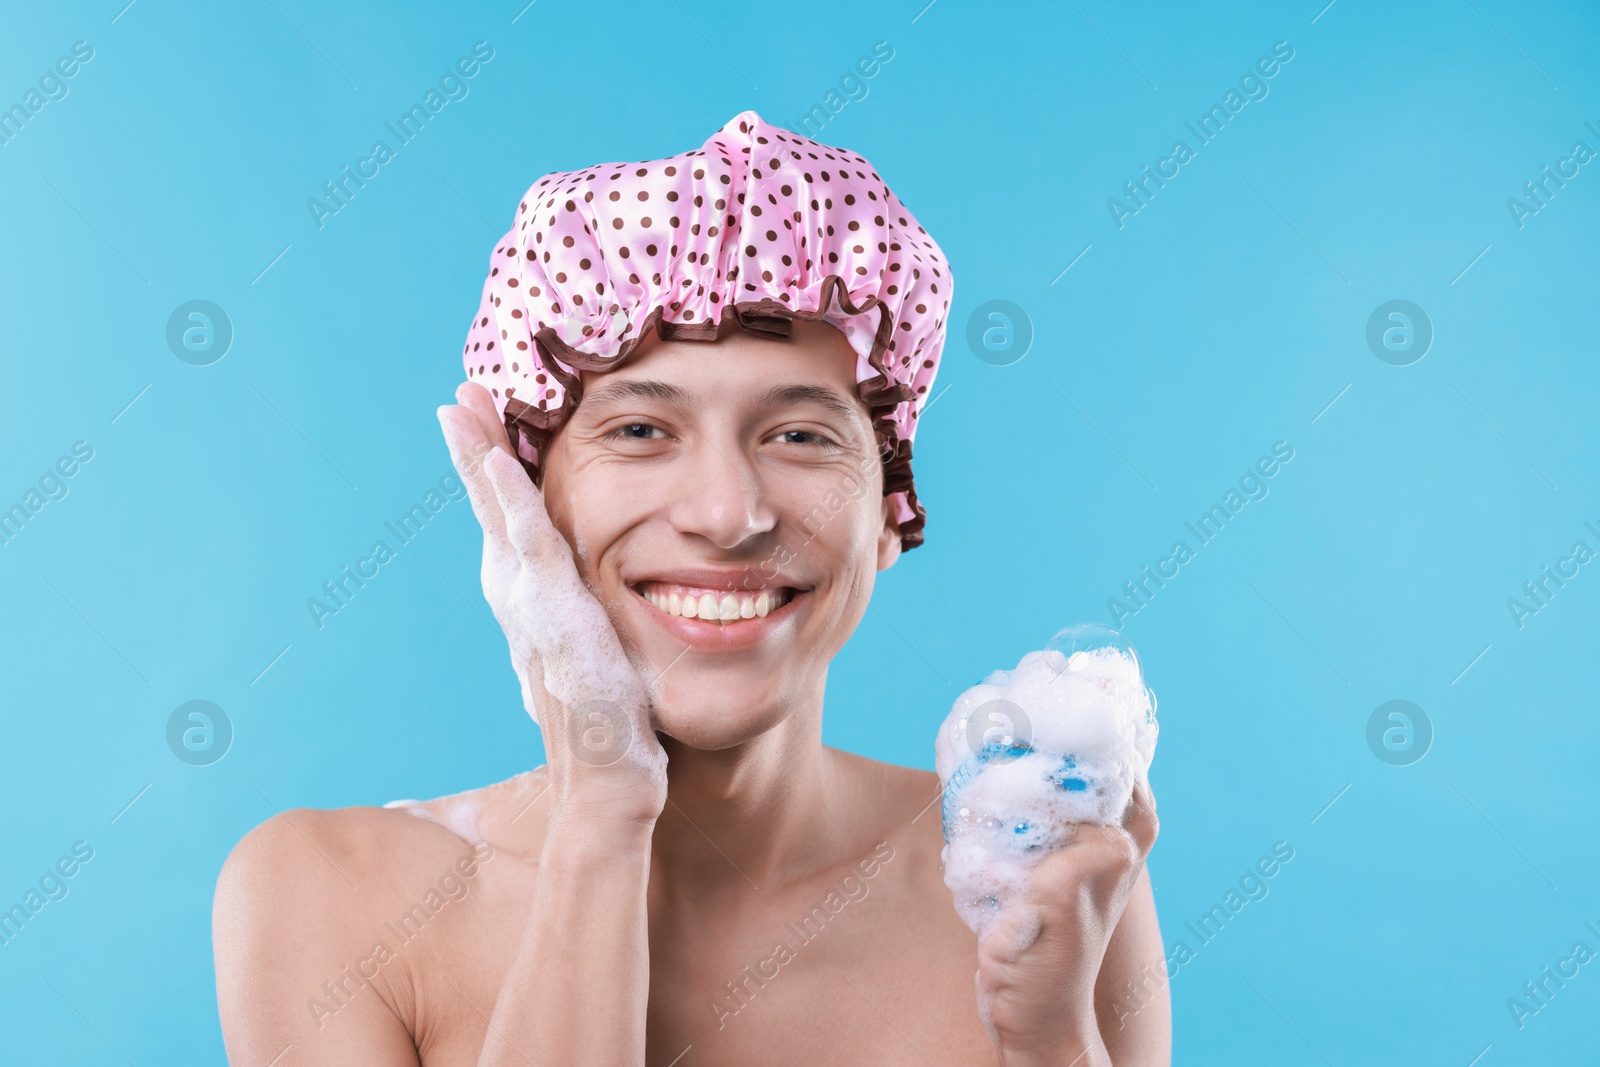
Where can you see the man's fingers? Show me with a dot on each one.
(1013, 932)
(1140, 817)
(476, 399)
(527, 523)
(1109, 847)
(464, 438)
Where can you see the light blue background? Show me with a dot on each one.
(1223, 317)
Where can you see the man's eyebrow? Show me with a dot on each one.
(787, 395)
(636, 389)
(823, 397)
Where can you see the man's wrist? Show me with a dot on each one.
(1086, 1050)
(579, 838)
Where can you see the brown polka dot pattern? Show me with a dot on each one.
(758, 223)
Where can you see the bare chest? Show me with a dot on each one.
(845, 970)
(881, 978)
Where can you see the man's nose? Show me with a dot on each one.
(719, 496)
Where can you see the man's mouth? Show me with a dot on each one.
(714, 605)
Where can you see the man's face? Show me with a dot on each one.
(717, 479)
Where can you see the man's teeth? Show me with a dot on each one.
(724, 607)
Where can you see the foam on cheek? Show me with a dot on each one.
(1061, 739)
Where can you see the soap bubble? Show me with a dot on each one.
(1090, 637)
(1093, 638)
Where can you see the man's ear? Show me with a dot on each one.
(888, 537)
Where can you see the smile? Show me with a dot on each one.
(713, 605)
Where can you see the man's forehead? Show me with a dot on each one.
(815, 364)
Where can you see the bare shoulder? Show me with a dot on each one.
(358, 855)
(509, 814)
(306, 907)
(904, 802)
(315, 851)
(891, 782)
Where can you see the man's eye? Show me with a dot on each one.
(635, 431)
(812, 438)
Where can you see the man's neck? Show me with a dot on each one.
(758, 814)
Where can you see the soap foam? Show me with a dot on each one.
(548, 614)
(1060, 739)
(460, 814)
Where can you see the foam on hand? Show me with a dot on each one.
(553, 613)
(553, 622)
(1060, 739)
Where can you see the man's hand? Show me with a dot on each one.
(577, 682)
(1038, 965)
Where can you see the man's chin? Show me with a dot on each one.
(710, 730)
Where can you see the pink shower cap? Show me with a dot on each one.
(759, 223)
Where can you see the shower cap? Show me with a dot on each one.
(758, 223)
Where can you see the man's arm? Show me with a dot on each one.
(287, 924)
(590, 913)
(1131, 1000)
